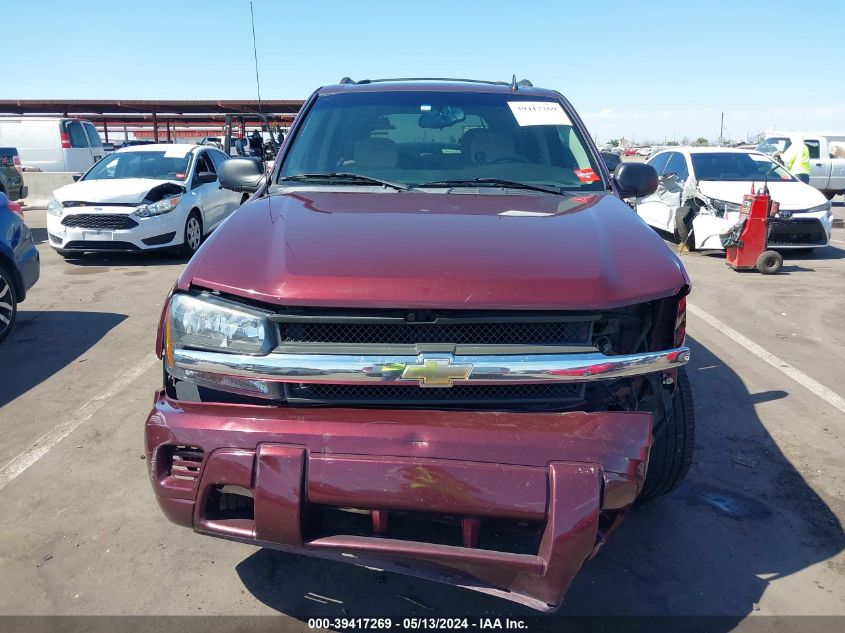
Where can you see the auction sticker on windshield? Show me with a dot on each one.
(586, 175)
(538, 113)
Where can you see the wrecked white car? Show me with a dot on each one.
(701, 189)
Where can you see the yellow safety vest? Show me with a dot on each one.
(797, 160)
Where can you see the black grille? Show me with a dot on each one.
(104, 245)
(98, 221)
(54, 239)
(502, 333)
(459, 394)
(795, 232)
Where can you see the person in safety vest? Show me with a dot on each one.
(796, 158)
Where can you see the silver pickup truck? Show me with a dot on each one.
(827, 158)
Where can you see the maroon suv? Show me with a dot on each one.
(435, 341)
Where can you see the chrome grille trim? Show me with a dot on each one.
(446, 369)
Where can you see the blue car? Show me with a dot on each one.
(19, 264)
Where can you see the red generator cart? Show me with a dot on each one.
(745, 244)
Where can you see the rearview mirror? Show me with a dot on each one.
(205, 177)
(635, 180)
(241, 174)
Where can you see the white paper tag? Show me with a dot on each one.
(538, 113)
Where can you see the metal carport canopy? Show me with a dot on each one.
(112, 107)
(155, 112)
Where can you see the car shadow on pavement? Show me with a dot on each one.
(39, 346)
(744, 517)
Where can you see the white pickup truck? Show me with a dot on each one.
(827, 157)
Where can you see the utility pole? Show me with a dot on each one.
(722, 130)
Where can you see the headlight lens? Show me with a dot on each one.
(158, 208)
(818, 208)
(54, 207)
(210, 323)
(723, 205)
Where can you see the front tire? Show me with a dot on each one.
(672, 445)
(192, 235)
(8, 303)
(682, 230)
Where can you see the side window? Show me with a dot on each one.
(659, 162)
(203, 164)
(76, 133)
(677, 165)
(218, 158)
(93, 135)
(813, 146)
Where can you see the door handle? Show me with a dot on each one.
(818, 164)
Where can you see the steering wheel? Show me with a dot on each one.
(511, 158)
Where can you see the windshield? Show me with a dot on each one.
(421, 137)
(164, 165)
(774, 144)
(735, 166)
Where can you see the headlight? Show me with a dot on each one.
(210, 323)
(157, 208)
(818, 208)
(723, 205)
(54, 207)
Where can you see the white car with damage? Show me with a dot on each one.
(701, 189)
(140, 198)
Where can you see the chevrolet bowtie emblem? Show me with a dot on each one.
(436, 372)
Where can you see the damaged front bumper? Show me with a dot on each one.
(510, 504)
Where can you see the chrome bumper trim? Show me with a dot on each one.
(425, 370)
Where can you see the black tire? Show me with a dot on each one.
(682, 229)
(769, 262)
(192, 233)
(672, 445)
(8, 303)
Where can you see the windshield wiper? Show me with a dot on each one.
(493, 182)
(348, 178)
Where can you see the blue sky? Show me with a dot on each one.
(640, 69)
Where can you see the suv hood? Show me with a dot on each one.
(792, 195)
(116, 191)
(437, 250)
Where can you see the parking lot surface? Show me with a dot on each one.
(755, 529)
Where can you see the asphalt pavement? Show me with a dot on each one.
(755, 529)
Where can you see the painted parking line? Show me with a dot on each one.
(829, 396)
(59, 432)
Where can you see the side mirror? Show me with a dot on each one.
(635, 180)
(205, 177)
(241, 174)
(76, 177)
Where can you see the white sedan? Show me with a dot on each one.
(140, 198)
(701, 189)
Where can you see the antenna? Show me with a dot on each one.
(255, 56)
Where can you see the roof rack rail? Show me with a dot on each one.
(347, 80)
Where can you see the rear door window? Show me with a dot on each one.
(76, 134)
(93, 135)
